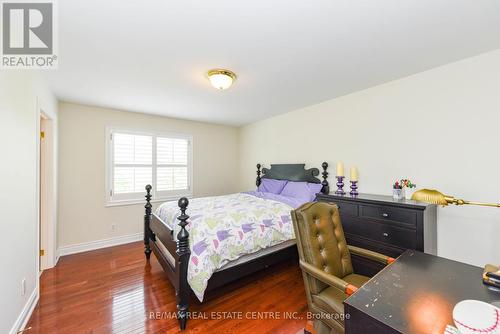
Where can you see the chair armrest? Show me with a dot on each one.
(326, 278)
(371, 255)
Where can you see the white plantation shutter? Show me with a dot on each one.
(172, 164)
(133, 163)
(139, 159)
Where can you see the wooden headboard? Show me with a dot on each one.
(294, 172)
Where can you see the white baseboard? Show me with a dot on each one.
(98, 244)
(58, 255)
(25, 315)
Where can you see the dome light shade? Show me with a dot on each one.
(221, 79)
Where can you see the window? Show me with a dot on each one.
(136, 159)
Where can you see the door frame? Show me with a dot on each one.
(47, 215)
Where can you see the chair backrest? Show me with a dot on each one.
(321, 241)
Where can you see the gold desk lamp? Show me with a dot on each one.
(491, 273)
(435, 197)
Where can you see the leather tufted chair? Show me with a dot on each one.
(325, 260)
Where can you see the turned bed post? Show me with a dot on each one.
(258, 180)
(184, 253)
(326, 186)
(147, 221)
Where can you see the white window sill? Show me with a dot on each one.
(143, 201)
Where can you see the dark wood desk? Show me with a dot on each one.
(415, 294)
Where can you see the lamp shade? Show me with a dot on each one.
(435, 197)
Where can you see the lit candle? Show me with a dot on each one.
(340, 169)
(354, 174)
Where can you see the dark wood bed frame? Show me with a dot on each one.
(178, 247)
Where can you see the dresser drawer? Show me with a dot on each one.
(381, 232)
(387, 213)
(345, 208)
(375, 246)
(348, 209)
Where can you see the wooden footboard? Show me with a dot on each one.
(158, 235)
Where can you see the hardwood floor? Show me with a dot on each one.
(114, 290)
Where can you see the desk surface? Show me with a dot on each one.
(417, 293)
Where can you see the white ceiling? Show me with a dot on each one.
(151, 56)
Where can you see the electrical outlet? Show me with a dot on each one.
(23, 286)
(113, 227)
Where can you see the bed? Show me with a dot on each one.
(227, 237)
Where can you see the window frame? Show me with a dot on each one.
(112, 199)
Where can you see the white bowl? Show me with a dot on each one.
(476, 317)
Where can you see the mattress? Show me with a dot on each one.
(256, 255)
(243, 259)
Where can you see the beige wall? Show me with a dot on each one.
(22, 94)
(83, 216)
(440, 128)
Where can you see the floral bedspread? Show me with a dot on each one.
(224, 228)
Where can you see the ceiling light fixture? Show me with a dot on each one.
(221, 79)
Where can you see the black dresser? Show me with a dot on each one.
(385, 225)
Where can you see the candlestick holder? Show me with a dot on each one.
(354, 188)
(340, 186)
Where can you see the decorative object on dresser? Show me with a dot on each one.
(354, 182)
(410, 188)
(174, 251)
(382, 224)
(354, 189)
(340, 179)
(398, 188)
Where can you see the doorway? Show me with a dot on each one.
(46, 188)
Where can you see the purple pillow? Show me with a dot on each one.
(271, 186)
(302, 190)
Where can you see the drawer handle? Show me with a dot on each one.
(385, 234)
(385, 215)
